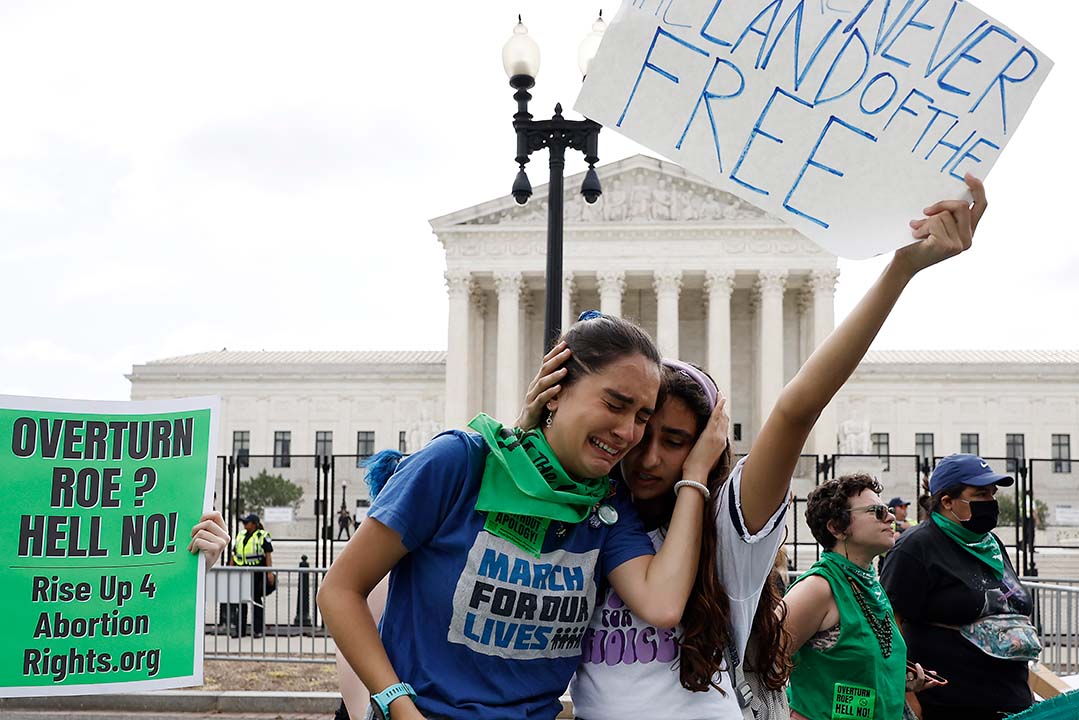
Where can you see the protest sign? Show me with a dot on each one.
(100, 593)
(843, 118)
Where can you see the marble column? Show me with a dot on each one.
(529, 344)
(478, 350)
(508, 359)
(805, 324)
(611, 284)
(668, 285)
(568, 289)
(822, 284)
(770, 287)
(459, 286)
(718, 286)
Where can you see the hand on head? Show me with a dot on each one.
(544, 386)
(946, 230)
(711, 443)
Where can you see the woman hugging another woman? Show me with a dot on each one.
(496, 542)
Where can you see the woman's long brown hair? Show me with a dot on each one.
(767, 656)
(706, 620)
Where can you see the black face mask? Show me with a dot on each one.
(983, 515)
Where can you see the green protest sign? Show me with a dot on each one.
(853, 701)
(99, 591)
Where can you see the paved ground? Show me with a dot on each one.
(176, 705)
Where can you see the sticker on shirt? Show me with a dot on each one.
(1012, 598)
(853, 701)
(512, 605)
(618, 637)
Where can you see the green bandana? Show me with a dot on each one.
(866, 580)
(984, 547)
(524, 486)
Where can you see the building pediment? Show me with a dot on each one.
(637, 190)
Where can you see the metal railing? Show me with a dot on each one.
(292, 630)
(1056, 615)
(1043, 506)
(244, 623)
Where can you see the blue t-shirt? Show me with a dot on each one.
(477, 626)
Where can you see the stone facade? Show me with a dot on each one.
(302, 393)
(732, 290)
(735, 290)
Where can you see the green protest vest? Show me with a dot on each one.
(249, 551)
(852, 680)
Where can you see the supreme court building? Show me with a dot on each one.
(715, 281)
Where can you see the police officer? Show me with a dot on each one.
(253, 549)
(899, 508)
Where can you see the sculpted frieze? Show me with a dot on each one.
(635, 196)
(626, 242)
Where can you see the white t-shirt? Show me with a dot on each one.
(628, 667)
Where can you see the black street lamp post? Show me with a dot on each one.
(520, 56)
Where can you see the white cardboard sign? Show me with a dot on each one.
(843, 118)
(1067, 515)
(277, 514)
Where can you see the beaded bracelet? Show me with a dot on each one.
(696, 485)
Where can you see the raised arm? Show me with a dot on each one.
(656, 587)
(946, 230)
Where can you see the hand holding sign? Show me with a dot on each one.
(946, 230)
(835, 117)
(209, 537)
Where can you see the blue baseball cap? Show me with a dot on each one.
(965, 469)
(898, 502)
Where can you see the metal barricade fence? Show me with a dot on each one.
(1067, 582)
(245, 623)
(293, 631)
(1040, 510)
(1056, 616)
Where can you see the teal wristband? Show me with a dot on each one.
(381, 701)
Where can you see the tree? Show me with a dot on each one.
(1007, 511)
(265, 490)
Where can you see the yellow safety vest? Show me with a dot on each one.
(248, 550)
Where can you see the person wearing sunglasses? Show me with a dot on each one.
(849, 657)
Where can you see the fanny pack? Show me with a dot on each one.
(1005, 637)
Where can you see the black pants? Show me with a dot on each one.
(258, 619)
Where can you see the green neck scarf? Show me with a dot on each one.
(866, 580)
(524, 486)
(984, 547)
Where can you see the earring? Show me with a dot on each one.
(550, 419)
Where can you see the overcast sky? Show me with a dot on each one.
(188, 176)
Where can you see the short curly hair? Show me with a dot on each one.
(829, 502)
